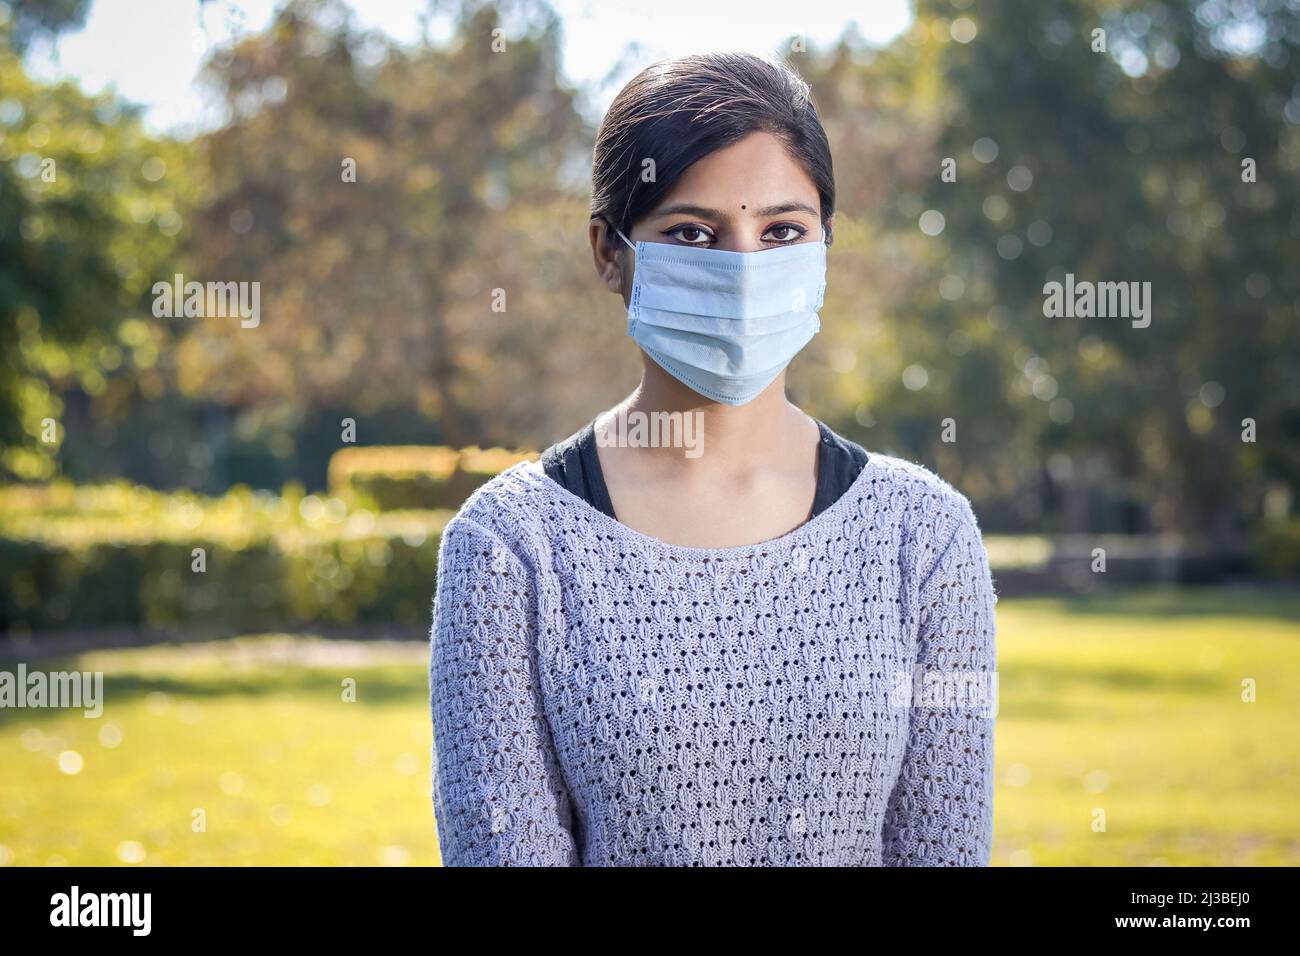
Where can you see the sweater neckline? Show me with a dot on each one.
(813, 527)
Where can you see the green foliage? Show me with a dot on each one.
(405, 477)
(1277, 548)
(1123, 165)
(125, 555)
(394, 477)
(121, 554)
(90, 217)
(372, 189)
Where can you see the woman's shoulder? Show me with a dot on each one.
(926, 512)
(921, 499)
(506, 508)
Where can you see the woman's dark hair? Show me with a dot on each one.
(681, 110)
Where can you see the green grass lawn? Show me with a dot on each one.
(1133, 707)
(1129, 706)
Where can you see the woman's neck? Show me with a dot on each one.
(766, 433)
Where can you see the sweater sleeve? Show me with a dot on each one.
(499, 797)
(940, 812)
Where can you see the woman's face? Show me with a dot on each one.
(750, 196)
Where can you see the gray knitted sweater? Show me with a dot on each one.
(602, 698)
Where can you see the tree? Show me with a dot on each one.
(89, 213)
(365, 185)
(1117, 165)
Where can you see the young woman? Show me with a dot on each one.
(763, 648)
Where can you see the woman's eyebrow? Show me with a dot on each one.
(690, 209)
(785, 207)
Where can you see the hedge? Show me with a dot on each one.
(401, 477)
(122, 555)
(119, 555)
(1276, 548)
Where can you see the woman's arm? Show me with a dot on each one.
(941, 810)
(498, 794)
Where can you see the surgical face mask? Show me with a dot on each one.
(725, 323)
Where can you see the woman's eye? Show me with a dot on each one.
(784, 233)
(691, 235)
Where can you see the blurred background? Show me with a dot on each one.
(236, 523)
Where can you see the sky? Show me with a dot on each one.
(150, 51)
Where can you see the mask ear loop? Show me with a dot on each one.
(632, 304)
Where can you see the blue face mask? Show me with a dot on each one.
(725, 323)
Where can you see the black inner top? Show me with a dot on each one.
(574, 464)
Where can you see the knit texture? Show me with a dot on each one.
(603, 698)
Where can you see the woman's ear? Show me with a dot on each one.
(605, 255)
(614, 277)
